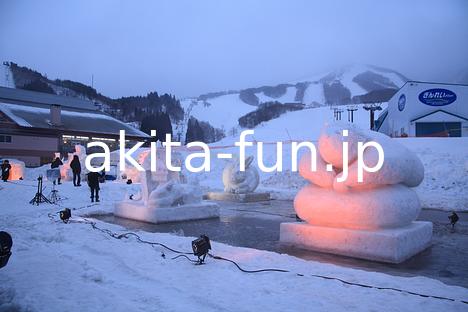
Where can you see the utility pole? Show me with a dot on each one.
(92, 81)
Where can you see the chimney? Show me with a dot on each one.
(56, 115)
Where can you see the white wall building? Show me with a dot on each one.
(426, 109)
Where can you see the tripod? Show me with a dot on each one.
(53, 196)
(39, 197)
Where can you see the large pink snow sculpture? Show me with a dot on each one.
(373, 219)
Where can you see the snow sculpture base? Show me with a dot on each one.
(385, 245)
(138, 211)
(241, 198)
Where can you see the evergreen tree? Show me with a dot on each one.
(159, 122)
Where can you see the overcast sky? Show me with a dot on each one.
(191, 47)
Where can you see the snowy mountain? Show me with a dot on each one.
(218, 113)
(351, 84)
(337, 87)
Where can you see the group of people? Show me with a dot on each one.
(93, 177)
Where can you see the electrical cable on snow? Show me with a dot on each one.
(184, 255)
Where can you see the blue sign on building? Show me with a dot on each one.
(437, 97)
(401, 102)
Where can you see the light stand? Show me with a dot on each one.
(53, 196)
(39, 197)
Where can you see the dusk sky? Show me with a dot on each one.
(192, 47)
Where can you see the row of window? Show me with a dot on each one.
(5, 138)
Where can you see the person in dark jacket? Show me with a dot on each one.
(93, 183)
(6, 167)
(75, 166)
(56, 165)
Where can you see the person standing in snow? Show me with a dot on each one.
(56, 165)
(93, 183)
(75, 166)
(6, 167)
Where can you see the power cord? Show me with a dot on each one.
(184, 255)
(244, 270)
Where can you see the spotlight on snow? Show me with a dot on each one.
(200, 247)
(5, 248)
(65, 215)
(453, 219)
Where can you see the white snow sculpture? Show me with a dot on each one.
(143, 157)
(65, 170)
(240, 182)
(374, 219)
(166, 202)
(173, 194)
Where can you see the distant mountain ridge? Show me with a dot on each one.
(353, 84)
(347, 85)
(225, 112)
(128, 109)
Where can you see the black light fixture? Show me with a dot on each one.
(453, 219)
(200, 247)
(65, 215)
(5, 248)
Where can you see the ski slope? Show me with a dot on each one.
(222, 112)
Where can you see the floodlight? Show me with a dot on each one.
(5, 248)
(65, 215)
(200, 247)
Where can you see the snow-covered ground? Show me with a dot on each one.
(71, 267)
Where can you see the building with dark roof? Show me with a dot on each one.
(34, 125)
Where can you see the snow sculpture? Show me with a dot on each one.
(162, 201)
(374, 219)
(65, 170)
(143, 157)
(240, 185)
(240, 182)
(17, 169)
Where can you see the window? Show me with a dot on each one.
(5, 138)
(438, 129)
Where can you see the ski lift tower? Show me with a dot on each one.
(351, 109)
(372, 108)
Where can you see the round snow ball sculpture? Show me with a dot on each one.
(373, 219)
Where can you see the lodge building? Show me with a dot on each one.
(34, 126)
(426, 109)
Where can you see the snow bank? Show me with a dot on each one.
(69, 267)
